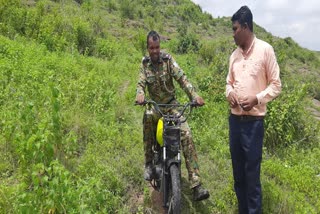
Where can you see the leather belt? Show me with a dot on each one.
(247, 117)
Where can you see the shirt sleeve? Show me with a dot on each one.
(182, 79)
(141, 82)
(230, 79)
(273, 77)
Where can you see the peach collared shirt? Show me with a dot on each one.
(255, 72)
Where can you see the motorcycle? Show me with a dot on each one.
(166, 171)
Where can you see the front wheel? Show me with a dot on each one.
(174, 190)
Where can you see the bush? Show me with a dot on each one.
(287, 122)
(127, 9)
(139, 42)
(85, 38)
(186, 42)
(106, 48)
(210, 51)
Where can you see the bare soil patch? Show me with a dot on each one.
(315, 109)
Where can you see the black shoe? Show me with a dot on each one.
(148, 172)
(200, 193)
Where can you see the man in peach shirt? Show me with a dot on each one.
(252, 81)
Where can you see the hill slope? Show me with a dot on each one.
(71, 138)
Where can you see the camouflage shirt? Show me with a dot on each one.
(159, 79)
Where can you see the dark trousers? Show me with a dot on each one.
(246, 138)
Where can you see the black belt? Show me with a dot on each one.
(247, 117)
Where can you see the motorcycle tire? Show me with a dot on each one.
(175, 190)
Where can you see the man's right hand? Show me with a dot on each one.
(140, 99)
(199, 101)
(233, 99)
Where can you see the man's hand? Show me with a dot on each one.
(199, 101)
(233, 99)
(248, 102)
(140, 99)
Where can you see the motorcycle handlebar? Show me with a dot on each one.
(181, 111)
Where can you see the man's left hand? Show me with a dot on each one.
(248, 102)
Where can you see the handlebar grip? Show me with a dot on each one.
(140, 104)
(194, 104)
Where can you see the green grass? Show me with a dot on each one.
(71, 138)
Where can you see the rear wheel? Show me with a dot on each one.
(175, 190)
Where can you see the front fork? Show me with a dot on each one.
(166, 173)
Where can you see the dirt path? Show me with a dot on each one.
(315, 109)
(151, 203)
(156, 201)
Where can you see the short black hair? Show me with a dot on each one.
(243, 16)
(155, 36)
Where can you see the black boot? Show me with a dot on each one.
(200, 193)
(148, 172)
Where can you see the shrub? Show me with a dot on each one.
(186, 41)
(127, 9)
(105, 48)
(85, 38)
(287, 122)
(139, 42)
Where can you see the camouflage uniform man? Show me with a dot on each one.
(156, 74)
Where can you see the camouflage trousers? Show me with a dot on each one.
(150, 120)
